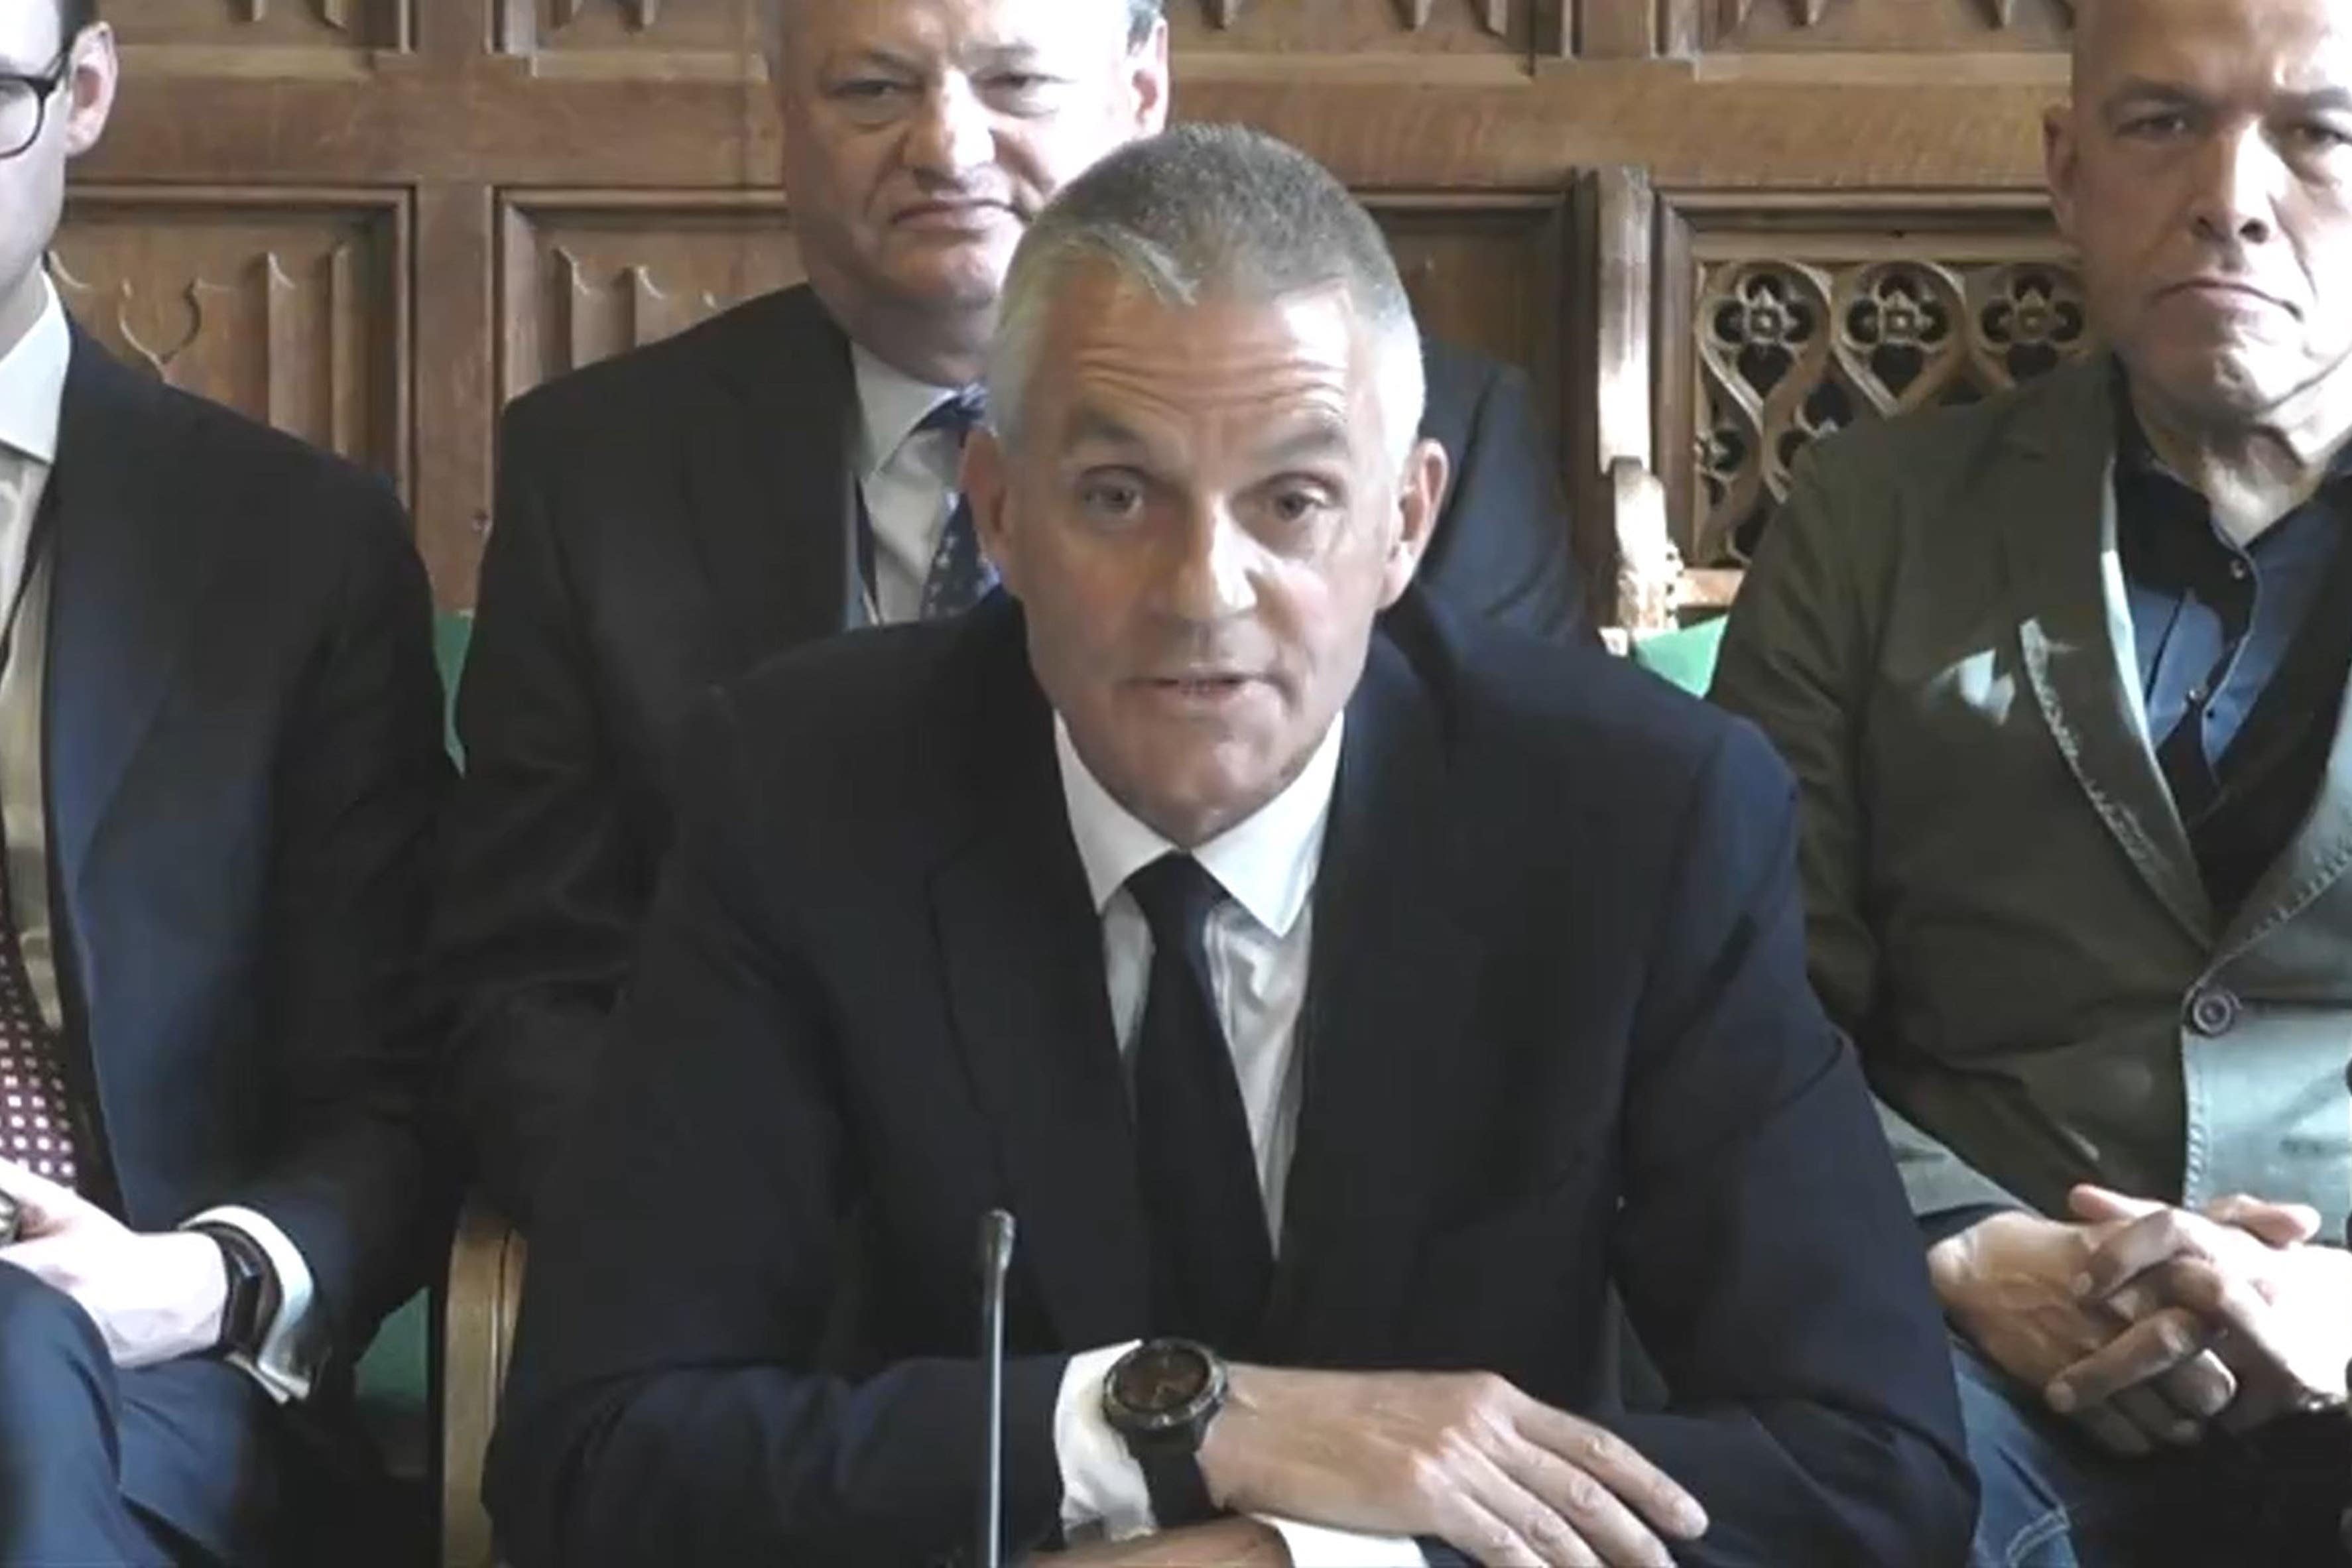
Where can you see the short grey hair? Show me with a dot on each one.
(1210, 210)
(1143, 15)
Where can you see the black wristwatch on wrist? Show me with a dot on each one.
(252, 1289)
(1160, 1397)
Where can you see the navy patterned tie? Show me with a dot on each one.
(960, 575)
(35, 1121)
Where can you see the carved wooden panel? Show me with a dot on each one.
(586, 276)
(290, 306)
(1344, 28)
(1781, 320)
(1486, 273)
(647, 28)
(1891, 26)
(261, 24)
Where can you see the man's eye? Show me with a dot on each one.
(1297, 506)
(1019, 82)
(868, 89)
(2157, 126)
(1112, 499)
(2314, 136)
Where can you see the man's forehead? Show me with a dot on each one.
(28, 33)
(2287, 46)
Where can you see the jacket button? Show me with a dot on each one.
(2213, 1011)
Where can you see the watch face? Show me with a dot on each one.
(1162, 1377)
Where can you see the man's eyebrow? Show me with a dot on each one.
(2142, 90)
(2325, 99)
(1324, 438)
(1094, 425)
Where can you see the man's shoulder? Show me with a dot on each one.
(227, 467)
(1940, 452)
(642, 387)
(1574, 719)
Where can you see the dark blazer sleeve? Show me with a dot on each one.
(1764, 1248)
(359, 781)
(663, 1408)
(541, 890)
(1501, 551)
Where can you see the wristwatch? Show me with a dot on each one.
(252, 1284)
(1160, 1397)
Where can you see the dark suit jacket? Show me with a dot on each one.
(665, 521)
(243, 763)
(1557, 1031)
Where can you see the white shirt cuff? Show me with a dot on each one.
(1103, 1491)
(289, 1356)
(1318, 1546)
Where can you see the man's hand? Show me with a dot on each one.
(2008, 1281)
(1227, 1543)
(2279, 1310)
(1462, 1456)
(153, 1298)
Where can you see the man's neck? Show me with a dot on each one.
(941, 349)
(2253, 471)
(20, 308)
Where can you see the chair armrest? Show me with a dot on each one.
(486, 1268)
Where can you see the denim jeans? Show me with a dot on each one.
(2052, 1499)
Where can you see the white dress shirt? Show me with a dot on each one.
(1259, 942)
(32, 397)
(908, 478)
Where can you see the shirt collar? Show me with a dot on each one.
(1267, 862)
(33, 381)
(892, 403)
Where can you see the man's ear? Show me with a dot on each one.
(96, 70)
(2062, 163)
(986, 487)
(1420, 494)
(1147, 67)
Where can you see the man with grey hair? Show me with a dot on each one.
(1321, 989)
(667, 519)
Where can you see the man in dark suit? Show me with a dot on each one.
(1316, 997)
(219, 764)
(667, 519)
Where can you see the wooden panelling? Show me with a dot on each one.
(1784, 318)
(587, 275)
(1890, 26)
(1486, 272)
(654, 34)
(1348, 34)
(291, 306)
(243, 24)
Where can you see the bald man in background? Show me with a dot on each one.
(2061, 677)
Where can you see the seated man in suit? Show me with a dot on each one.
(219, 762)
(2062, 677)
(1316, 997)
(668, 519)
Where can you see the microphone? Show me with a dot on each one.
(995, 1260)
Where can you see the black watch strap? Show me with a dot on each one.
(1179, 1496)
(251, 1283)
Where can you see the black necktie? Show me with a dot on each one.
(960, 576)
(1212, 1260)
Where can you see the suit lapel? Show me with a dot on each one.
(767, 477)
(2058, 537)
(1023, 958)
(1391, 987)
(130, 578)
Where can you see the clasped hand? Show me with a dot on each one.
(2145, 1323)
(2239, 1282)
(154, 1298)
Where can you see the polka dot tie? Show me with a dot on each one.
(960, 575)
(36, 1123)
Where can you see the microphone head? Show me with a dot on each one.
(996, 1233)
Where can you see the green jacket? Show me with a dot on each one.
(2004, 909)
